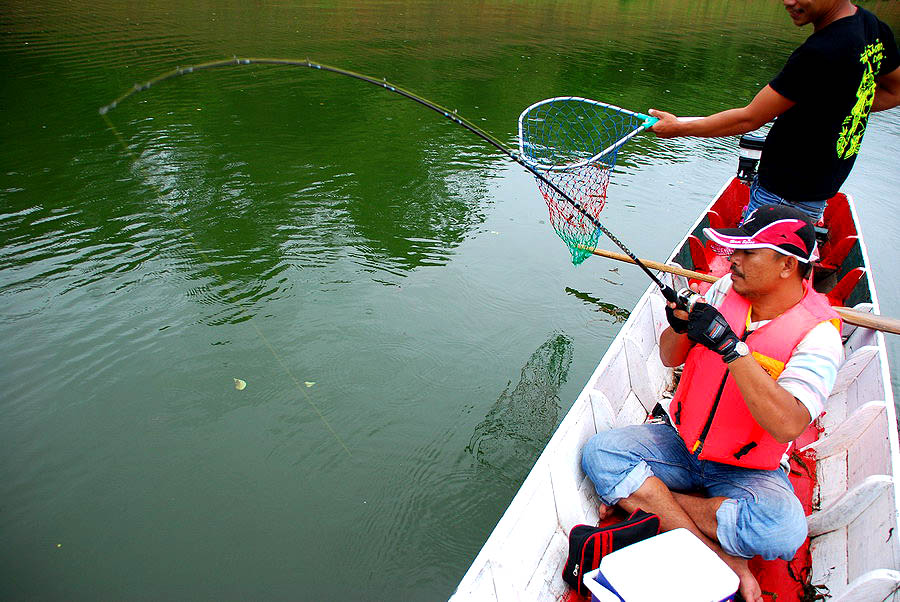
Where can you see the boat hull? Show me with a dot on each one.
(848, 457)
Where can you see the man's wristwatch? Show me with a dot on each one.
(740, 350)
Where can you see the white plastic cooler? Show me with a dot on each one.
(674, 566)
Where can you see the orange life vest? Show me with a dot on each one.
(708, 409)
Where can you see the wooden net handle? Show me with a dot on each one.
(848, 315)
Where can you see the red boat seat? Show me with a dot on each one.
(834, 253)
(730, 205)
(715, 220)
(842, 233)
(838, 295)
(699, 254)
(726, 215)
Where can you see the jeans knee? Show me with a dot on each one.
(767, 528)
(790, 533)
(598, 452)
(614, 448)
(613, 467)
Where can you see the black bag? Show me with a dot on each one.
(588, 544)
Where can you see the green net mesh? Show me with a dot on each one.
(573, 143)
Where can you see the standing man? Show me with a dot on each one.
(822, 98)
(760, 360)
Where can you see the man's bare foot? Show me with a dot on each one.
(749, 587)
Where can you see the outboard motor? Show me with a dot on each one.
(751, 151)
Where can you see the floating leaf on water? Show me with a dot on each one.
(239, 384)
(308, 383)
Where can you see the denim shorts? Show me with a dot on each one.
(759, 196)
(761, 515)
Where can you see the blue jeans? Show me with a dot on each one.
(761, 515)
(759, 196)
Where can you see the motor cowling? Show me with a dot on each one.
(751, 150)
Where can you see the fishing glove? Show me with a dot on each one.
(678, 325)
(709, 328)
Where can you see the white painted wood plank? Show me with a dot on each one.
(869, 454)
(848, 431)
(852, 367)
(872, 538)
(604, 415)
(831, 476)
(658, 313)
(850, 505)
(874, 586)
(480, 586)
(533, 521)
(632, 412)
(614, 381)
(563, 457)
(547, 584)
(507, 588)
(857, 337)
(829, 560)
(835, 411)
(642, 330)
(589, 501)
(675, 281)
(868, 386)
(639, 375)
(661, 377)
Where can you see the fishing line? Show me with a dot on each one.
(212, 266)
(667, 291)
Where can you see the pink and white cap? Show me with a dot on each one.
(780, 228)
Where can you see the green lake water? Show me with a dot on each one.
(409, 327)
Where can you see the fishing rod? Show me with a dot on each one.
(667, 291)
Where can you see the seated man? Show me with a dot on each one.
(760, 359)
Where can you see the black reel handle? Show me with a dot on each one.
(683, 299)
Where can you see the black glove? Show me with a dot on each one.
(709, 328)
(678, 325)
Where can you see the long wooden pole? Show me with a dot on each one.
(850, 316)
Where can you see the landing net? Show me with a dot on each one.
(573, 142)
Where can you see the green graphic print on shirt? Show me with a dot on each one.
(854, 125)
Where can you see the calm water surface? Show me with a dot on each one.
(408, 325)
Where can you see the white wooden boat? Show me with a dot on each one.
(843, 474)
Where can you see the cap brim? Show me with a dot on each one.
(737, 238)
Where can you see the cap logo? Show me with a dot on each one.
(790, 236)
(782, 232)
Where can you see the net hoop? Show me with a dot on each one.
(571, 143)
(611, 149)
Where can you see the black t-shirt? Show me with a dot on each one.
(812, 146)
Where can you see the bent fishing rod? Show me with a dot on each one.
(667, 291)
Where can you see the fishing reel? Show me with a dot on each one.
(684, 299)
(687, 299)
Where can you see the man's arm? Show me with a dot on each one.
(887, 91)
(766, 106)
(772, 406)
(674, 347)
